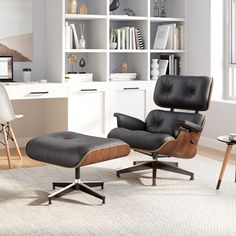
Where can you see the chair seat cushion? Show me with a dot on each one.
(139, 139)
(70, 149)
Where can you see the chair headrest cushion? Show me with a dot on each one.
(183, 92)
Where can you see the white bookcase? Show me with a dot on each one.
(100, 60)
(109, 96)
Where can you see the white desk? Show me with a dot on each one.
(21, 91)
(51, 107)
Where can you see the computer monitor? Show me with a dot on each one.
(6, 69)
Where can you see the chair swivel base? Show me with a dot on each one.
(154, 165)
(85, 186)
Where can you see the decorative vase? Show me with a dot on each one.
(114, 5)
(73, 7)
(82, 41)
(156, 8)
(155, 71)
(163, 8)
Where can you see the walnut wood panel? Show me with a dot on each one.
(185, 146)
(105, 154)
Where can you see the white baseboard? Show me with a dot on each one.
(214, 144)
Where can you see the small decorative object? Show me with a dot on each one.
(156, 8)
(129, 12)
(114, 5)
(73, 7)
(155, 71)
(82, 42)
(113, 39)
(27, 75)
(72, 59)
(82, 64)
(163, 10)
(124, 68)
(83, 9)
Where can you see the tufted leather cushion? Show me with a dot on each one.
(66, 149)
(139, 139)
(159, 121)
(183, 92)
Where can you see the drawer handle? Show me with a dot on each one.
(134, 88)
(88, 90)
(39, 92)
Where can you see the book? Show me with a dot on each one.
(75, 36)
(161, 37)
(137, 39)
(123, 76)
(130, 38)
(176, 39)
(133, 39)
(163, 64)
(118, 39)
(170, 41)
(181, 37)
(123, 38)
(141, 44)
(176, 66)
(127, 43)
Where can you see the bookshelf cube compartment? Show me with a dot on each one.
(140, 7)
(95, 63)
(93, 7)
(142, 25)
(95, 32)
(175, 64)
(136, 63)
(175, 36)
(173, 8)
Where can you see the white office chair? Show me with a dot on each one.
(6, 116)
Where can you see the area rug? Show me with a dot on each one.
(176, 206)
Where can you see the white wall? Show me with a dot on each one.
(205, 57)
(38, 64)
(198, 37)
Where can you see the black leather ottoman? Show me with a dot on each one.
(73, 150)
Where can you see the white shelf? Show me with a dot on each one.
(84, 17)
(127, 18)
(166, 51)
(166, 19)
(127, 51)
(85, 51)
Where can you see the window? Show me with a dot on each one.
(231, 55)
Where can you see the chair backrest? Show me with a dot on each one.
(183, 92)
(179, 92)
(6, 111)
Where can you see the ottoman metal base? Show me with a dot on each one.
(77, 185)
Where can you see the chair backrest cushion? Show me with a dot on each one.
(183, 92)
(159, 121)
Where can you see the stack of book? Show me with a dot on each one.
(128, 38)
(169, 64)
(169, 36)
(71, 37)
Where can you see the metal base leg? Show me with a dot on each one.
(172, 168)
(154, 165)
(77, 185)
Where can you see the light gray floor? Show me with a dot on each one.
(176, 206)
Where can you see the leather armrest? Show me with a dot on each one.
(185, 124)
(129, 122)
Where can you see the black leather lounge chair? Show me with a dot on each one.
(171, 133)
